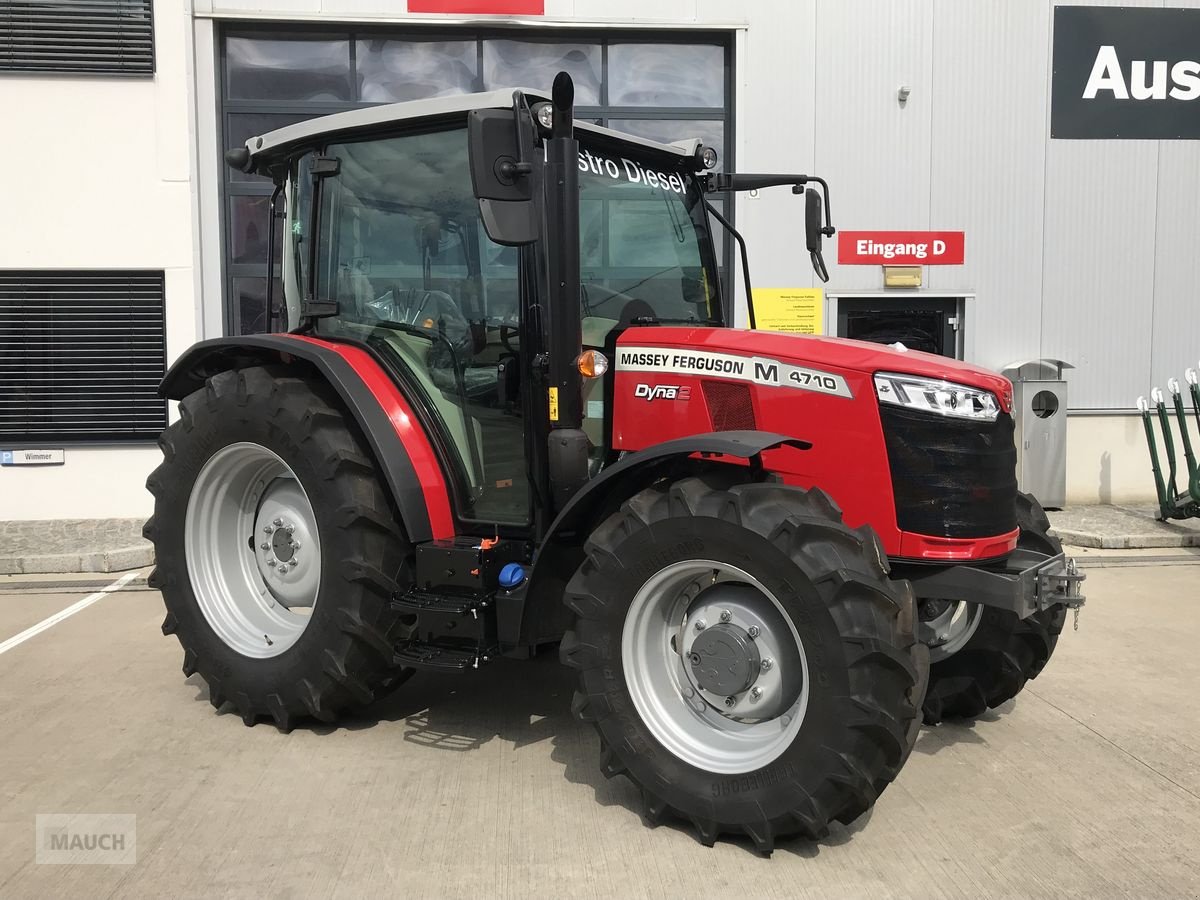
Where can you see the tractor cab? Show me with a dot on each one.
(436, 239)
(385, 244)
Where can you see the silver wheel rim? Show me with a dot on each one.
(253, 551)
(697, 725)
(948, 629)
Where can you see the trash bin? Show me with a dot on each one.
(1040, 412)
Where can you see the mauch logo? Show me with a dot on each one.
(86, 838)
(651, 392)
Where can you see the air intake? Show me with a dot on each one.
(729, 406)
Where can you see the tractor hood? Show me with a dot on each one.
(836, 364)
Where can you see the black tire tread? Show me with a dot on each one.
(356, 665)
(1005, 652)
(886, 666)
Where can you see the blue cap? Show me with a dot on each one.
(511, 576)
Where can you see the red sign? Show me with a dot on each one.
(901, 248)
(480, 7)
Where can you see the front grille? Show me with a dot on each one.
(951, 477)
(729, 406)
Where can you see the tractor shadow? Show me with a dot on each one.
(522, 702)
(935, 738)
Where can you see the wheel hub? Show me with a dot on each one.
(715, 666)
(725, 660)
(749, 667)
(945, 626)
(253, 549)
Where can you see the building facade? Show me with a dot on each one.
(923, 115)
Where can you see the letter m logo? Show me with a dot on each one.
(768, 372)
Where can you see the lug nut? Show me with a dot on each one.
(701, 624)
(294, 564)
(295, 545)
(264, 546)
(290, 528)
(767, 663)
(730, 702)
(267, 529)
(756, 693)
(753, 631)
(271, 563)
(278, 522)
(726, 615)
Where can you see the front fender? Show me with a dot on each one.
(544, 616)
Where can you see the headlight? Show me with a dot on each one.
(936, 396)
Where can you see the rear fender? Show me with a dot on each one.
(367, 393)
(544, 617)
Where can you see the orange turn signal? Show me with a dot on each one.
(592, 363)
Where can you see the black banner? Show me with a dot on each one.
(1131, 74)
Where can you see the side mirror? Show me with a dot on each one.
(501, 176)
(813, 232)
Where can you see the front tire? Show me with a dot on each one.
(766, 571)
(1003, 651)
(276, 552)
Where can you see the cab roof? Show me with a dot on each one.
(278, 143)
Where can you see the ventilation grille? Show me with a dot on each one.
(729, 406)
(951, 478)
(81, 356)
(106, 37)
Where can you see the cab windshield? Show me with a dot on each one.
(644, 249)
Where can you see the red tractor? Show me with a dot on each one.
(505, 409)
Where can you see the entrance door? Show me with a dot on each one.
(918, 322)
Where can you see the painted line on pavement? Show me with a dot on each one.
(53, 620)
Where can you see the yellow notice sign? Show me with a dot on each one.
(790, 310)
(553, 404)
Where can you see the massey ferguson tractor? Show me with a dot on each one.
(505, 407)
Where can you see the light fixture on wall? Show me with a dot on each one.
(902, 94)
(902, 276)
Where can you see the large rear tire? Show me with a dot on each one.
(276, 551)
(695, 596)
(1003, 652)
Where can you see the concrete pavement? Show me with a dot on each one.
(1088, 785)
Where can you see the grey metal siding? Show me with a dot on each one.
(988, 164)
(1176, 308)
(874, 152)
(1083, 250)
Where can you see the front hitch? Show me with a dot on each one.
(1027, 582)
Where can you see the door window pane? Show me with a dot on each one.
(404, 254)
(533, 65)
(293, 69)
(393, 71)
(666, 131)
(666, 75)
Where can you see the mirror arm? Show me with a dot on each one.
(741, 241)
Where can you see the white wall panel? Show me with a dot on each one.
(989, 126)
(775, 109)
(1176, 310)
(1098, 266)
(873, 151)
